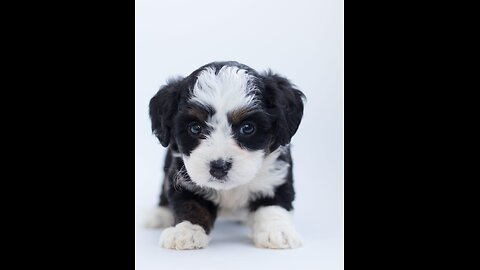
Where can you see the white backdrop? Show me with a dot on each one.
(300, 39)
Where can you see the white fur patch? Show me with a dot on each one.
(270, 175)
(231, 88)
(233, 214)
(184, 235)
(159, 217)
(272, 227)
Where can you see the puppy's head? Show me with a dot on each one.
(225, 119)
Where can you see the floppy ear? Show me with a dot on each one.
(163, 108)
(285, 103)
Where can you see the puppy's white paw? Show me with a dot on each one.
(276, 236)
(272, 227)
(184, 235)
(160, 217)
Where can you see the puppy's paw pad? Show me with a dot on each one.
(277, 238)
(160, 217)
(184, 235)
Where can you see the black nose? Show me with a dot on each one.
(219, 168)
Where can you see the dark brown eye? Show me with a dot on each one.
(247, 128)
(195, 129)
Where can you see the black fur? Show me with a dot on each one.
(163, 107)
(285, 103)
(276, 121)
(261, 138)
(166, 172)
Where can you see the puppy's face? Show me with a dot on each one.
(223, 131)
(225, 122)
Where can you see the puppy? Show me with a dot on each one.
(227, 129)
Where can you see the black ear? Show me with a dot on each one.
(163, 108)
(285, 103)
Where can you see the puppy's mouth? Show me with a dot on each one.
(217, 180)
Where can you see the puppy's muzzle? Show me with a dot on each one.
(219, 168)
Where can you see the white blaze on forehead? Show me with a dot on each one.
(231, 88)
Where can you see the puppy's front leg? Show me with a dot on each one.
(194, 218)
(272, 227)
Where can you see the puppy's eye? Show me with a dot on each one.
(247, 128)
(194, 128)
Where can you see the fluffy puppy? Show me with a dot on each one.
(227, 129)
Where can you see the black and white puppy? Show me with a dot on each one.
(228, 130)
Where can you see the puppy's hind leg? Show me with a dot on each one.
(161, 216)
